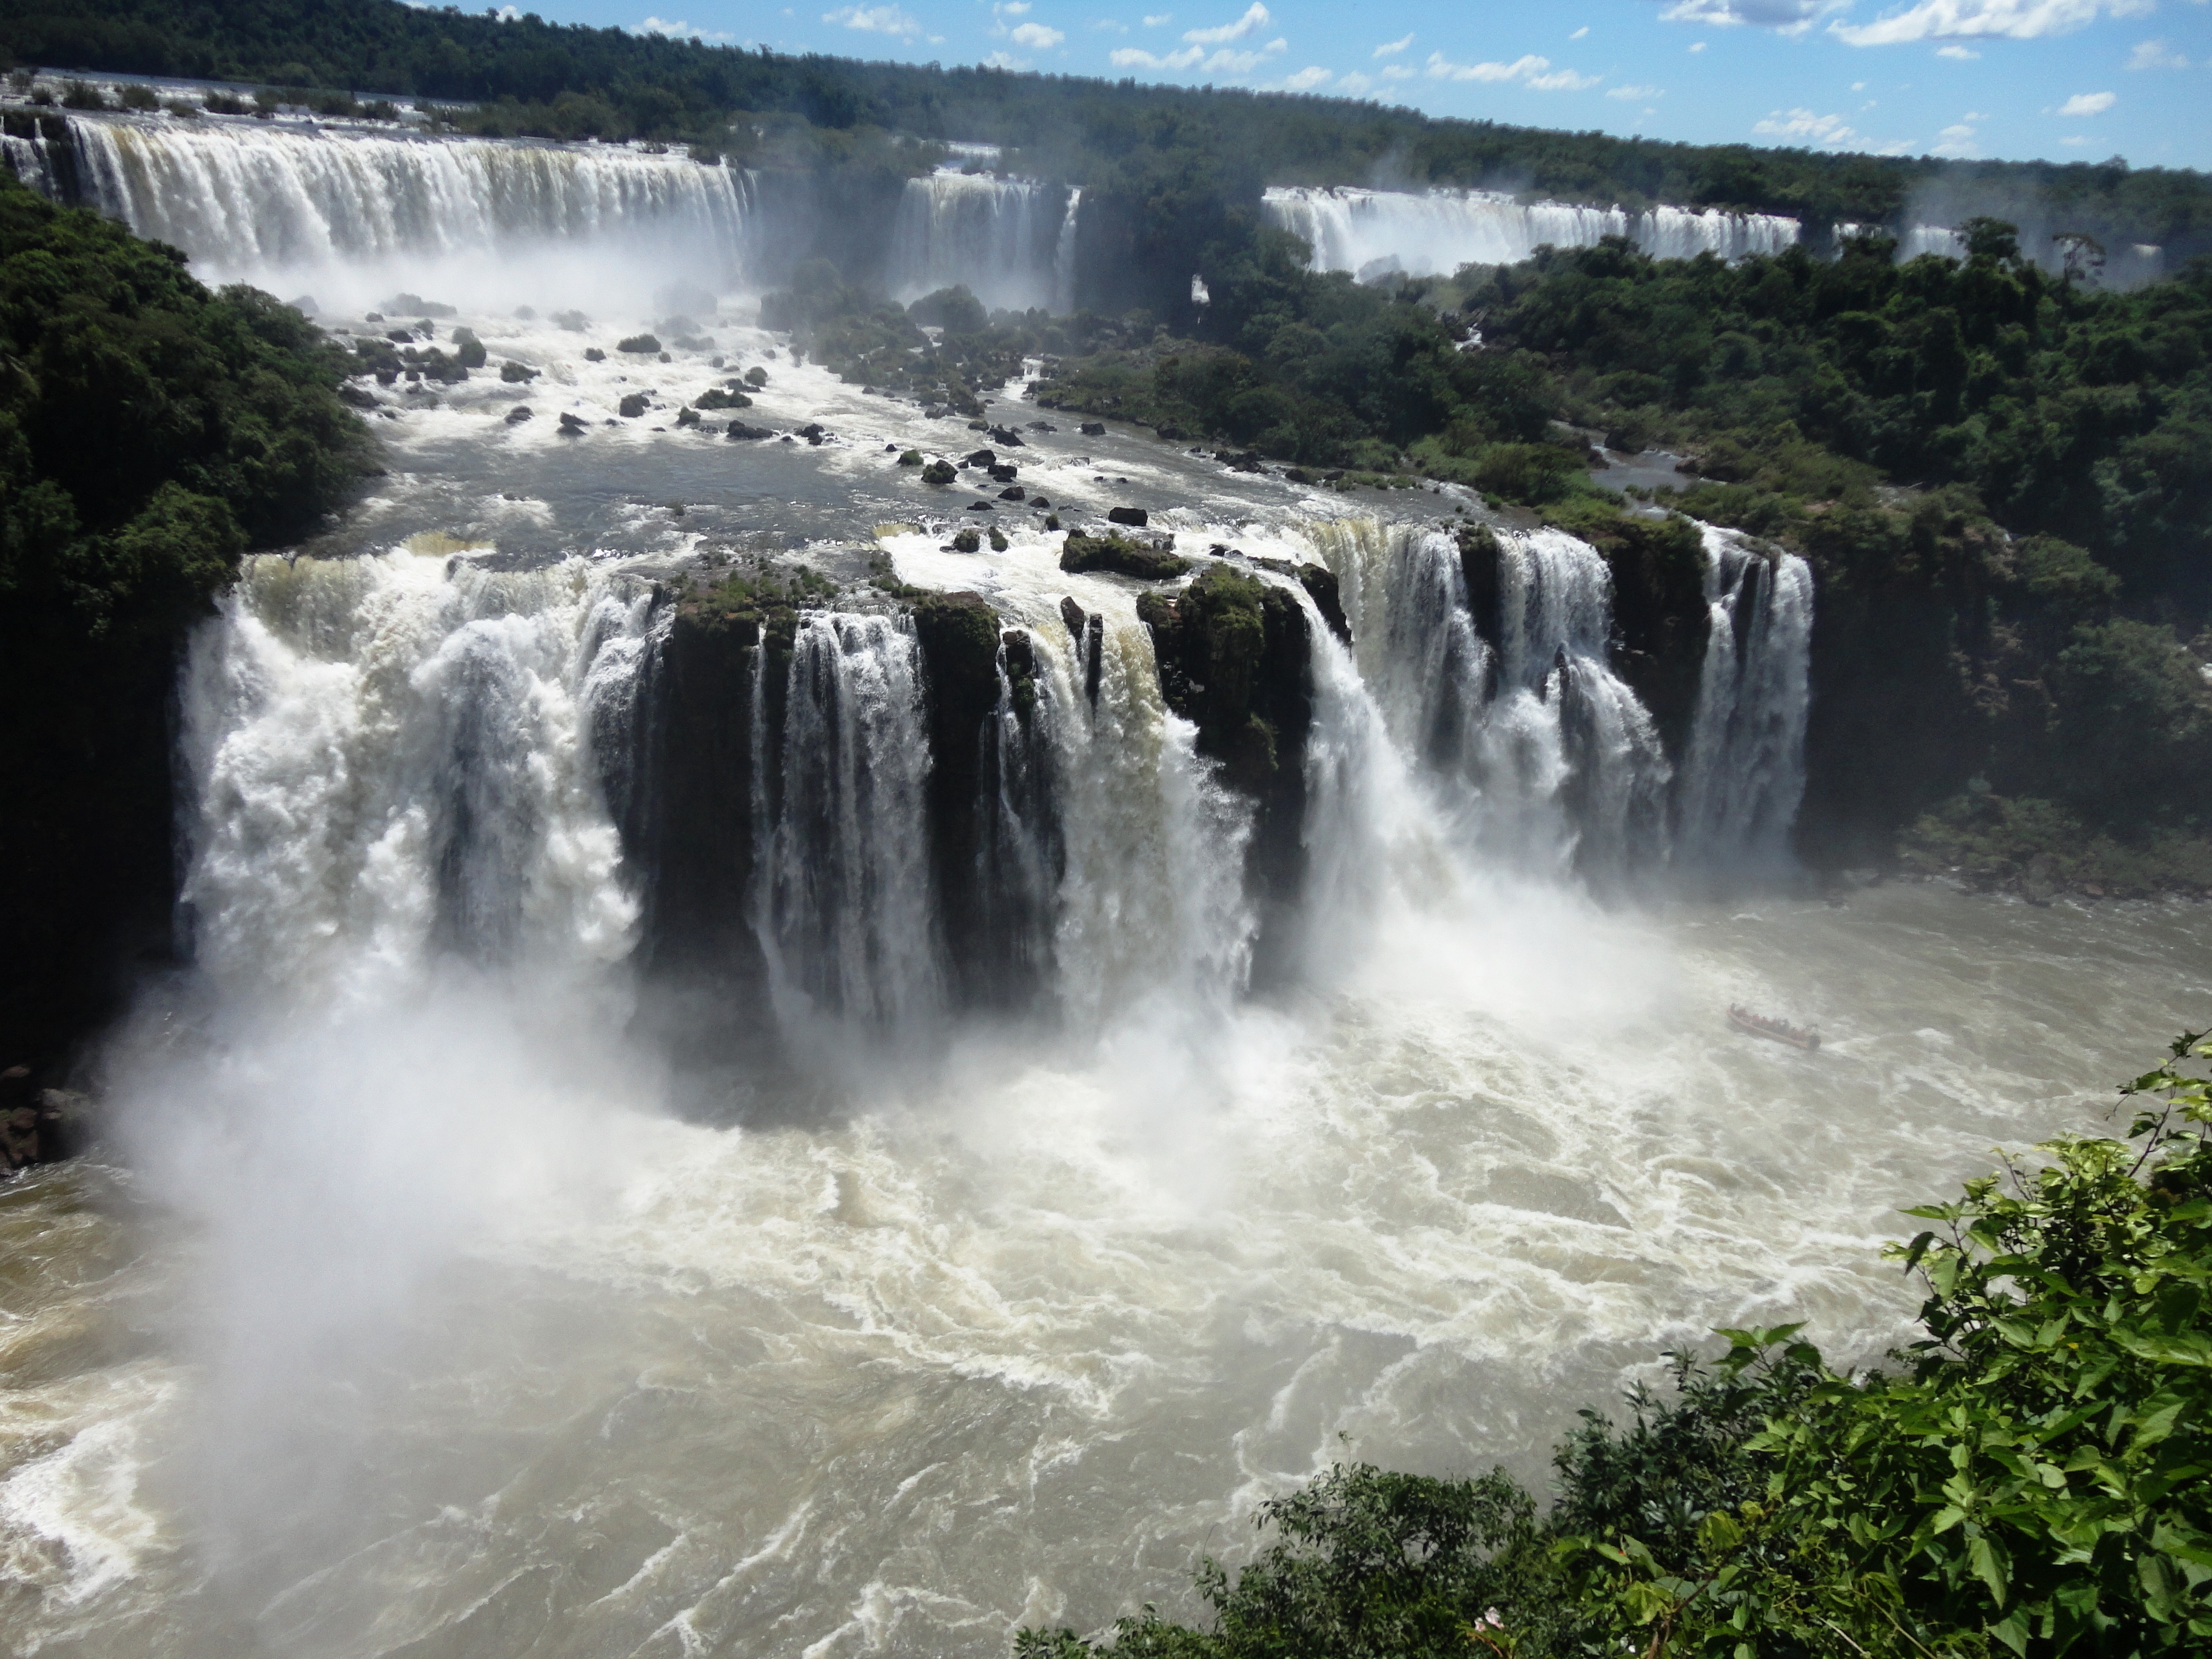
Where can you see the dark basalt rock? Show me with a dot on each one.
(1135, 517)
(1234, 656)
(632, 406)
(1246, 461)
(981, 458)
(739, 429)
(517, 414)
(1478, 565)
(1094, 429)
(1006, 436)
(1040, 503)
(966, 541)
(1146, 562)
(812, 432)
(358, 396)
(1074, 616)
(687, 417)
(1004, 473)
(571, 425)
(1660, 618)
(938, 472)
(1015, 494)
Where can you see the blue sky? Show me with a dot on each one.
(2061, 79)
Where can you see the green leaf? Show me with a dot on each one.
(1990, 1564)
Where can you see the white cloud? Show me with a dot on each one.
(2088, 103)
(1392, 48)
(2076, 142)
(1957, 142)
(1255, 19)
(1011, 9)
(876, 20)
(1579, 32)
(2155, 54)
(1858, 86)
(1790, 17)
(1307, 79)
(1629, 95)
(1958, 54)
(1138, 58)
(1530, 70)
(1004, 60)
(675, 31)
(1963, 19)
(1697, 45)
(1114, 24)
(1829, 130)
(1355, 83)
(1036, 37)
(1397, 72)
(1159, 18)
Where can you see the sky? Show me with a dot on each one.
(2064, 80)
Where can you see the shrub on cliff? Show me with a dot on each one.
(2030, 1477)
(149, 432)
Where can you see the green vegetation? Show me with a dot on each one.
(150, 431)
(2030, 1477)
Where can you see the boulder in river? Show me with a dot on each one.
(640, 345)
(1145, 560)
(966, 541)
(571, 425)
(739, 429)
(938, 472)
(517, 414)
(1014, 493)
(1135, 517)
(1094, 429)
(1008, 436)
(632, 406)
(981, 458)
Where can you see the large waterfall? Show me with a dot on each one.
(1745, 772)
(843, 904)
(1372, 232)
(356, 214)
(1490, 658)
(394, 758)
(1005, 240)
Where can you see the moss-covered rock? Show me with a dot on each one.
(1080, 553)
(938, 472)
(1660, 617)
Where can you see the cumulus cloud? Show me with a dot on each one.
(1307, 79)
(1035, 36)
(1396, 72)
(1958, 54)
(1222, 61)
(678, 30)
(1530, 70)
(1579, 32)
(1355, 83)
(1159, 20)
(876, 20)
(1791, 17)
(1391, 48)
(1697, 45)
(1956, 143)
(1802, 124)
(1138, 58)
(1255, 19)
(1629, 95)
(2088, 103)
(2009, 19)
(1004, 60)
(2155, 55)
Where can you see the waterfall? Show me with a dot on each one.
(842, 906)
(28, 160)
(997, 237)
(1745, 770)
(1372, 233)
(1506, 698)
(285, 206)
(1020, 855)
(391, 759)
(1063, 255)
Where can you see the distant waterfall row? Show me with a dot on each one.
(1011, 242)
(287, 207)
(1372, 232)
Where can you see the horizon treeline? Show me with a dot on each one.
(528, 77)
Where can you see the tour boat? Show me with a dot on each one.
(1781, 1031)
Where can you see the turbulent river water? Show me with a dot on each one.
(426, 1301)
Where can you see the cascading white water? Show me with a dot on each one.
(1744, 773)
(1063, 255)
(1020, 855)
(353, 214)
(28, 160)
(1560, 762)
(1373, 232)
(392, 758)
(843, 907)
(997, 237)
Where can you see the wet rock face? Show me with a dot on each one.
(1136, 517)
(1235, 659)
(1660, 619)
(1145, 560)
